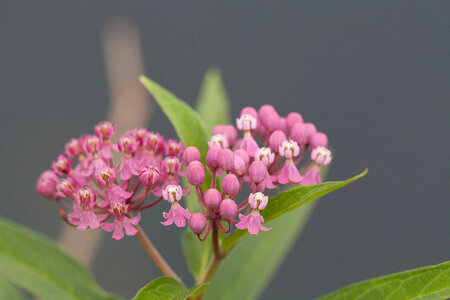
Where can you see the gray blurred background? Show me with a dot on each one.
(373, 75)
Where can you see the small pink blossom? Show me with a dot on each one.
(218, 139)
(73, 148)
(312, 176)
(289, 173)
(91, 144)
(62, 165)
(265, 155)
(46, 184)
(246, 122)
(321, 156)
(177, 214)
(253, 221)
(119, 209)
(82, 214)
(289, 149)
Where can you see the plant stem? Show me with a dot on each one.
(155, 255)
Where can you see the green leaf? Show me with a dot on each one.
(38, 265)
(166, 288)
(9, 291)
(212, 104)
(290, 200)
(428, 283)
(185, 120)
(247, 270)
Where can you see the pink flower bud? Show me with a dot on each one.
(73, 148)
(249, 111)
(105, 176)
(196, 173)
(276, 139)
(65, 187)
(127, 144)
(141, 135)
(46, 184)
(92, 144)
(105, 130)
(150, 177)
(310, 129)
(172, 193)
(212, 155)
(191, 154)
(244, 155)
(230, 184)
(212, 198)
(228, 209)
(230, 133)
(292, 119)
(258, 200)
(197, 222)
(62, 165)
(318, 139)
(225, 159)
(269, 117)
(239, 166)
(299, 134)
(257, 171)
(155, 142)
(321, 156)
(218, 129)
(282, 124)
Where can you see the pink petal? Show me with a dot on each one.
(244, 221)
(169, 217)
(283, 178)
(92, 219)
(108, 226)
(249, 145)
(129, 228)
(294, 175)
(253, 224)
(118, 232)
(125, 168)
(135, 220)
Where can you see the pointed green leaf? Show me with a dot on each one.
(290, 200)
(212, 104)
(184, 119)
(9, 291)
(428, 283)
(39, 266)
(246, 271)
(166, 288)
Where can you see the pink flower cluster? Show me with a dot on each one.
(284, 141)
(98, 193)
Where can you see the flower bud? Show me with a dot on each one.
(150, 177)
(105, 130)
(225, 159)
(249, 111)
(174, 148)
(239, 166)
(212, 198)
(276, 139)
(191, 154)
(282, 124)
(318, 139)
(269, 117)
(244, 155)
(292, 119)
(257, 171)
(196, 173)
(46, 184)
(228, 209)
(197, 222)
(230, 133)
(211, 157)
(230, 184)
(299, 134)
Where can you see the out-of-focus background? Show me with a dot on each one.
(373, 75)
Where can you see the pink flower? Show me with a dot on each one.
(177, 214)
(119, 209)
(73, 148)
(321, 156)
(218, 139)
(289, 173)
(253, 221)
(82, 214)
(91, 144)
(175, 148)
(105, 130)
(289, 149)
(312, 176)
(246, 122)
(62, 165)
(265, 156)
